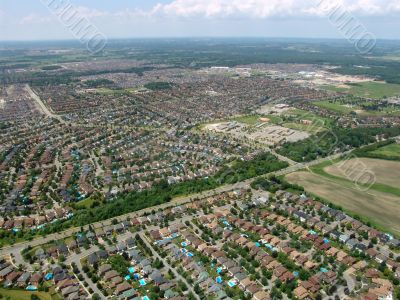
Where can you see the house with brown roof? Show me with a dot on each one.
(371, 252)
(253, 289)
(300, 293)
(122, 287)
(329, 277)
(36, 279)
(110, 274)
(261, 295)
(246, 282)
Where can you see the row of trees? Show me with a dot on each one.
(326, 143)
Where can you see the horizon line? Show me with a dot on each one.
(190, 37)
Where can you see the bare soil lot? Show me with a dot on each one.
(386, 171)
(380, 208)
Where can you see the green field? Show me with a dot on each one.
(380, 209)
(370, 89)
(383, 182)
(392, 150)
(86, 203)
(319, 123)
(346, 107)
(24, 295)
(111, 92)
(249, 119)
(335, 107)
(378, 205)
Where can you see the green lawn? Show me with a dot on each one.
(334, 88)
(317, 120)
(335, 107)
(86, 203)
(24, 295)
(389, 150)
(249, 119)
(111, 92)
(370, 89)
(342, 108)
(387, 111)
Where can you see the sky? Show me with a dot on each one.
(35, 20)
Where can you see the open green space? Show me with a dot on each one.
(111, 92)
(387, 150)
(25, 295)
(335, 106)
(255, 119)
(248, 119)
(392, 150)
(340, 177)
(369, 89)
(297, 115)
(379, 209)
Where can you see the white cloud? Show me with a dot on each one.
(90, 12)
(34, 19)
(271, 8)
(254, 9)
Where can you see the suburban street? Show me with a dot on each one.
(155, 254)
(5, 251)
(76, 258)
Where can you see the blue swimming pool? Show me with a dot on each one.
(142, 282)
(324, 270)
(231, 283)
(48, 276)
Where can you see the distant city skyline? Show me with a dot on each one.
(31, 20)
